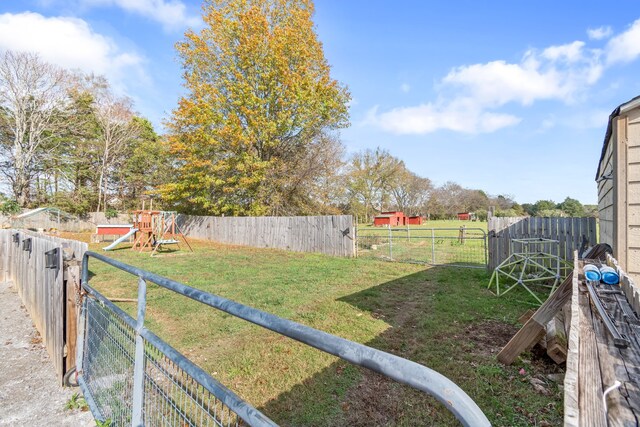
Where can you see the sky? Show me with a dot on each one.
(505, 96)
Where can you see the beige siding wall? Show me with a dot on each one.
(605, 198)
(619, 197)
(633, 194)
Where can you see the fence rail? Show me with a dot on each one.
(40, 268)
(571, 233)
(128, 373)
(331, 235)
(436, 246)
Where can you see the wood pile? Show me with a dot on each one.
(544, 319)
(596, 330)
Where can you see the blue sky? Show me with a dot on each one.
(508, 97)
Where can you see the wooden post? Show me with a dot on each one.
(535, 327)
(556, 339)
(72, 287)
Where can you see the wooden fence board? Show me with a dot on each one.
(569, 232)
(322, 234)
(41, 289)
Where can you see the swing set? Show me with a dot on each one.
(156, 230)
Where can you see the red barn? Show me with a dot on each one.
(381, 220)
(390, 218)
(414, 220)
(467, 216)
(397, 217)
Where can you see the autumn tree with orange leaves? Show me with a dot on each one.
(260, 102)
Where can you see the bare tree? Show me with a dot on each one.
(304, 183)
(115, 119)
(410, 192)
(32, 101)
(368, 177)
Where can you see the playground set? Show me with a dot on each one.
(152, 230)
(533, 261)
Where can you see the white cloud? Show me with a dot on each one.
(69, 43)
(571, 52)
(171, 14)
(547, 124)
(599, 33)
(428, 118)
(470, 94)
(624, 47)
(558, 72)
(404, 87)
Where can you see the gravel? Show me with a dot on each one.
(29, 390)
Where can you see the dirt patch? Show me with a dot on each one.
(488, 337)
(29, 391)
(379, 401)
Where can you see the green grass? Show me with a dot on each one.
(441, 317)
(434, 242)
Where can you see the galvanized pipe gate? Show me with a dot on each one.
(131, 377)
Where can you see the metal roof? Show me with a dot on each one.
(622, 108)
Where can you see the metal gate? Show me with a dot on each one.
(132, 377)
(463, 247)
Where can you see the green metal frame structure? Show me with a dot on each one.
(531, 266)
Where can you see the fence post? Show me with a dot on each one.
(390, 242)
(72, 291)
(355, 238)
(138, 369)
(462, 234)
(5, 255)
(433, 247)
(484, 247)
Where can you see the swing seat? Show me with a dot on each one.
(167, 242)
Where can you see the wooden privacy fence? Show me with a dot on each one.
(46, 273)
(331, 235)
(571, 233)
(46, 220)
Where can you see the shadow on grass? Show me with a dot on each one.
(445, 319)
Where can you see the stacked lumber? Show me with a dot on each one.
(535, 328)
(553, 339)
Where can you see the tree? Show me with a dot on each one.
(474, 200)
(543, 205)
(369, 176)
(529, 209)
(143, 167)
(591, 211)
(446, 201)
(32, 101)
(309, 183)
(409, 191)
(572, 207)
(259, 96)
(115, 119)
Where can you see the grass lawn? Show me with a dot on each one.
(441, 317)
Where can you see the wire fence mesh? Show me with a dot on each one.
(108, 362)
(466, 247)
(172, 397)
(129, 376)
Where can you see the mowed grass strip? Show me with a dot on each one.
(441, 317)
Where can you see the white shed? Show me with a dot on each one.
(618, 180)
